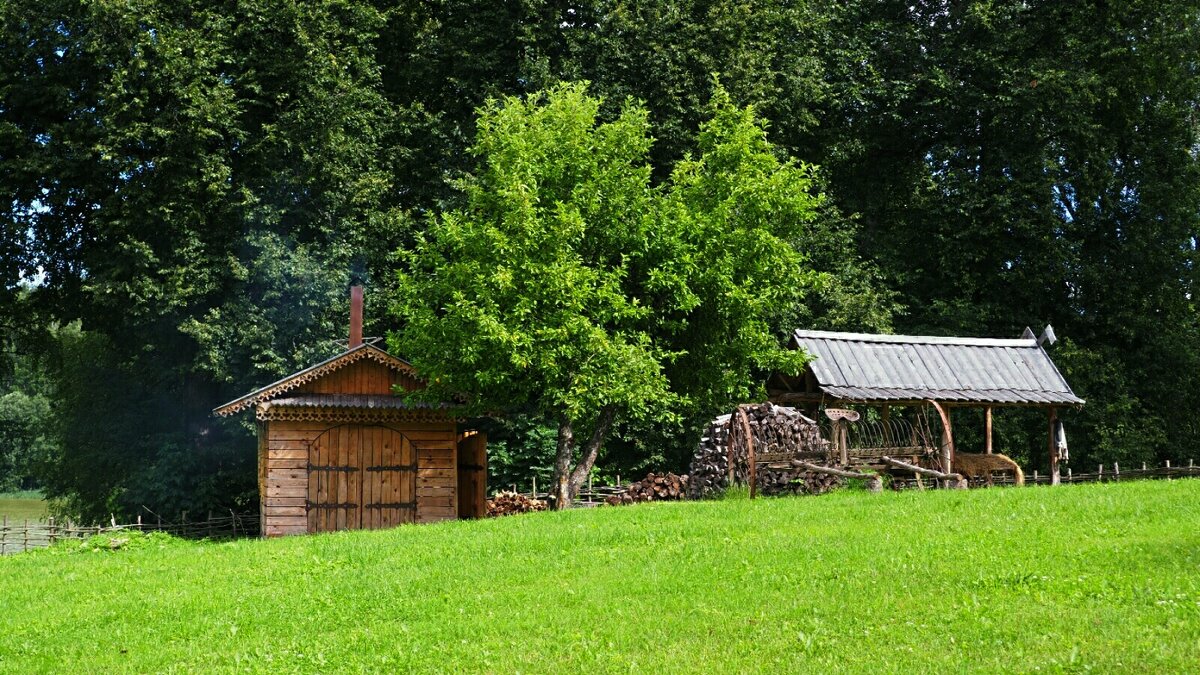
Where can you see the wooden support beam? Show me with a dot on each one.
(749, 450)
(1055, 479)
(955, 480)
(885, 416)
(874, 482)
(844, 434)
(947, 436)
(830, 470)
(988, 412)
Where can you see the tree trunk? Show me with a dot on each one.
(566, 483)
(590, 450)
(560, 490)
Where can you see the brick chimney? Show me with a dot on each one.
(356, 309)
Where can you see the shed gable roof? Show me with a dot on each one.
(299, 378)
(864, 367)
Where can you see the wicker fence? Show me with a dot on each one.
(21, 535)
(1104, 473)
(1109, 473)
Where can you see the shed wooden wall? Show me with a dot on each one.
(285, 493)
(284, 452)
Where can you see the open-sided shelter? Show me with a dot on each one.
(943, 372)
(339, 449)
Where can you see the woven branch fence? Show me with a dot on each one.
(1104, 473)
(22, 535)
(1110, 473)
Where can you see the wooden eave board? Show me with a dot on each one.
(315, 372)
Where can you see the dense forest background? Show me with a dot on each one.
(190, 187)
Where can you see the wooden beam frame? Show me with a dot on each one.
(818, 398)
(988, 411)
(947, 438)
(1055, 478)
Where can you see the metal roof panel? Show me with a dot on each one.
(899, 367)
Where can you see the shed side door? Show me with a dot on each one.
(472, 475)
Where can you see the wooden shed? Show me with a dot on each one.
(338, 449)
(944, 373)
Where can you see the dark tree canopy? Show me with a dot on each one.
(196, 183)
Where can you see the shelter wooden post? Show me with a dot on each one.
(844, 442)
(750, 460)
(885, 416)
(947, 437)
(988, 414)
(1055, 479)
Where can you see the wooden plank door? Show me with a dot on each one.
(360, 477)
(436, 488)
(472, 475)
(334, 477)
(390, 473)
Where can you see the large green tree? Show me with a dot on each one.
(195, 184)
(572, 287)
(1015, 164)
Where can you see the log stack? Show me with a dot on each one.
(781, 481)
(655, 487)
(511, 503)
(779, 434)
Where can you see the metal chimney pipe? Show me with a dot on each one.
(356, 313)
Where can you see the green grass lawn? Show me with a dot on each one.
(19, 506)
(1089, 577)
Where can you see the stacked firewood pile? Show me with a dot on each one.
(655, 487)
(511, 503)
(779, 434)
(793, 480)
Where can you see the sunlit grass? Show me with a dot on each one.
(1103, 577)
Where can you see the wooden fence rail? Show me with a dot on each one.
(1105, 473)
(1110, 473)
(17, 536)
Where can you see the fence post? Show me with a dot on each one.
(25, 545)
(1070, 475)
(139, 522)
(1116, 471)
(1100, 474)
(4, 535)
(50, 522)
(1035, 476)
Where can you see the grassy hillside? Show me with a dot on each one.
(1078, 577)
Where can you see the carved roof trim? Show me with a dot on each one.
(359, 353)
